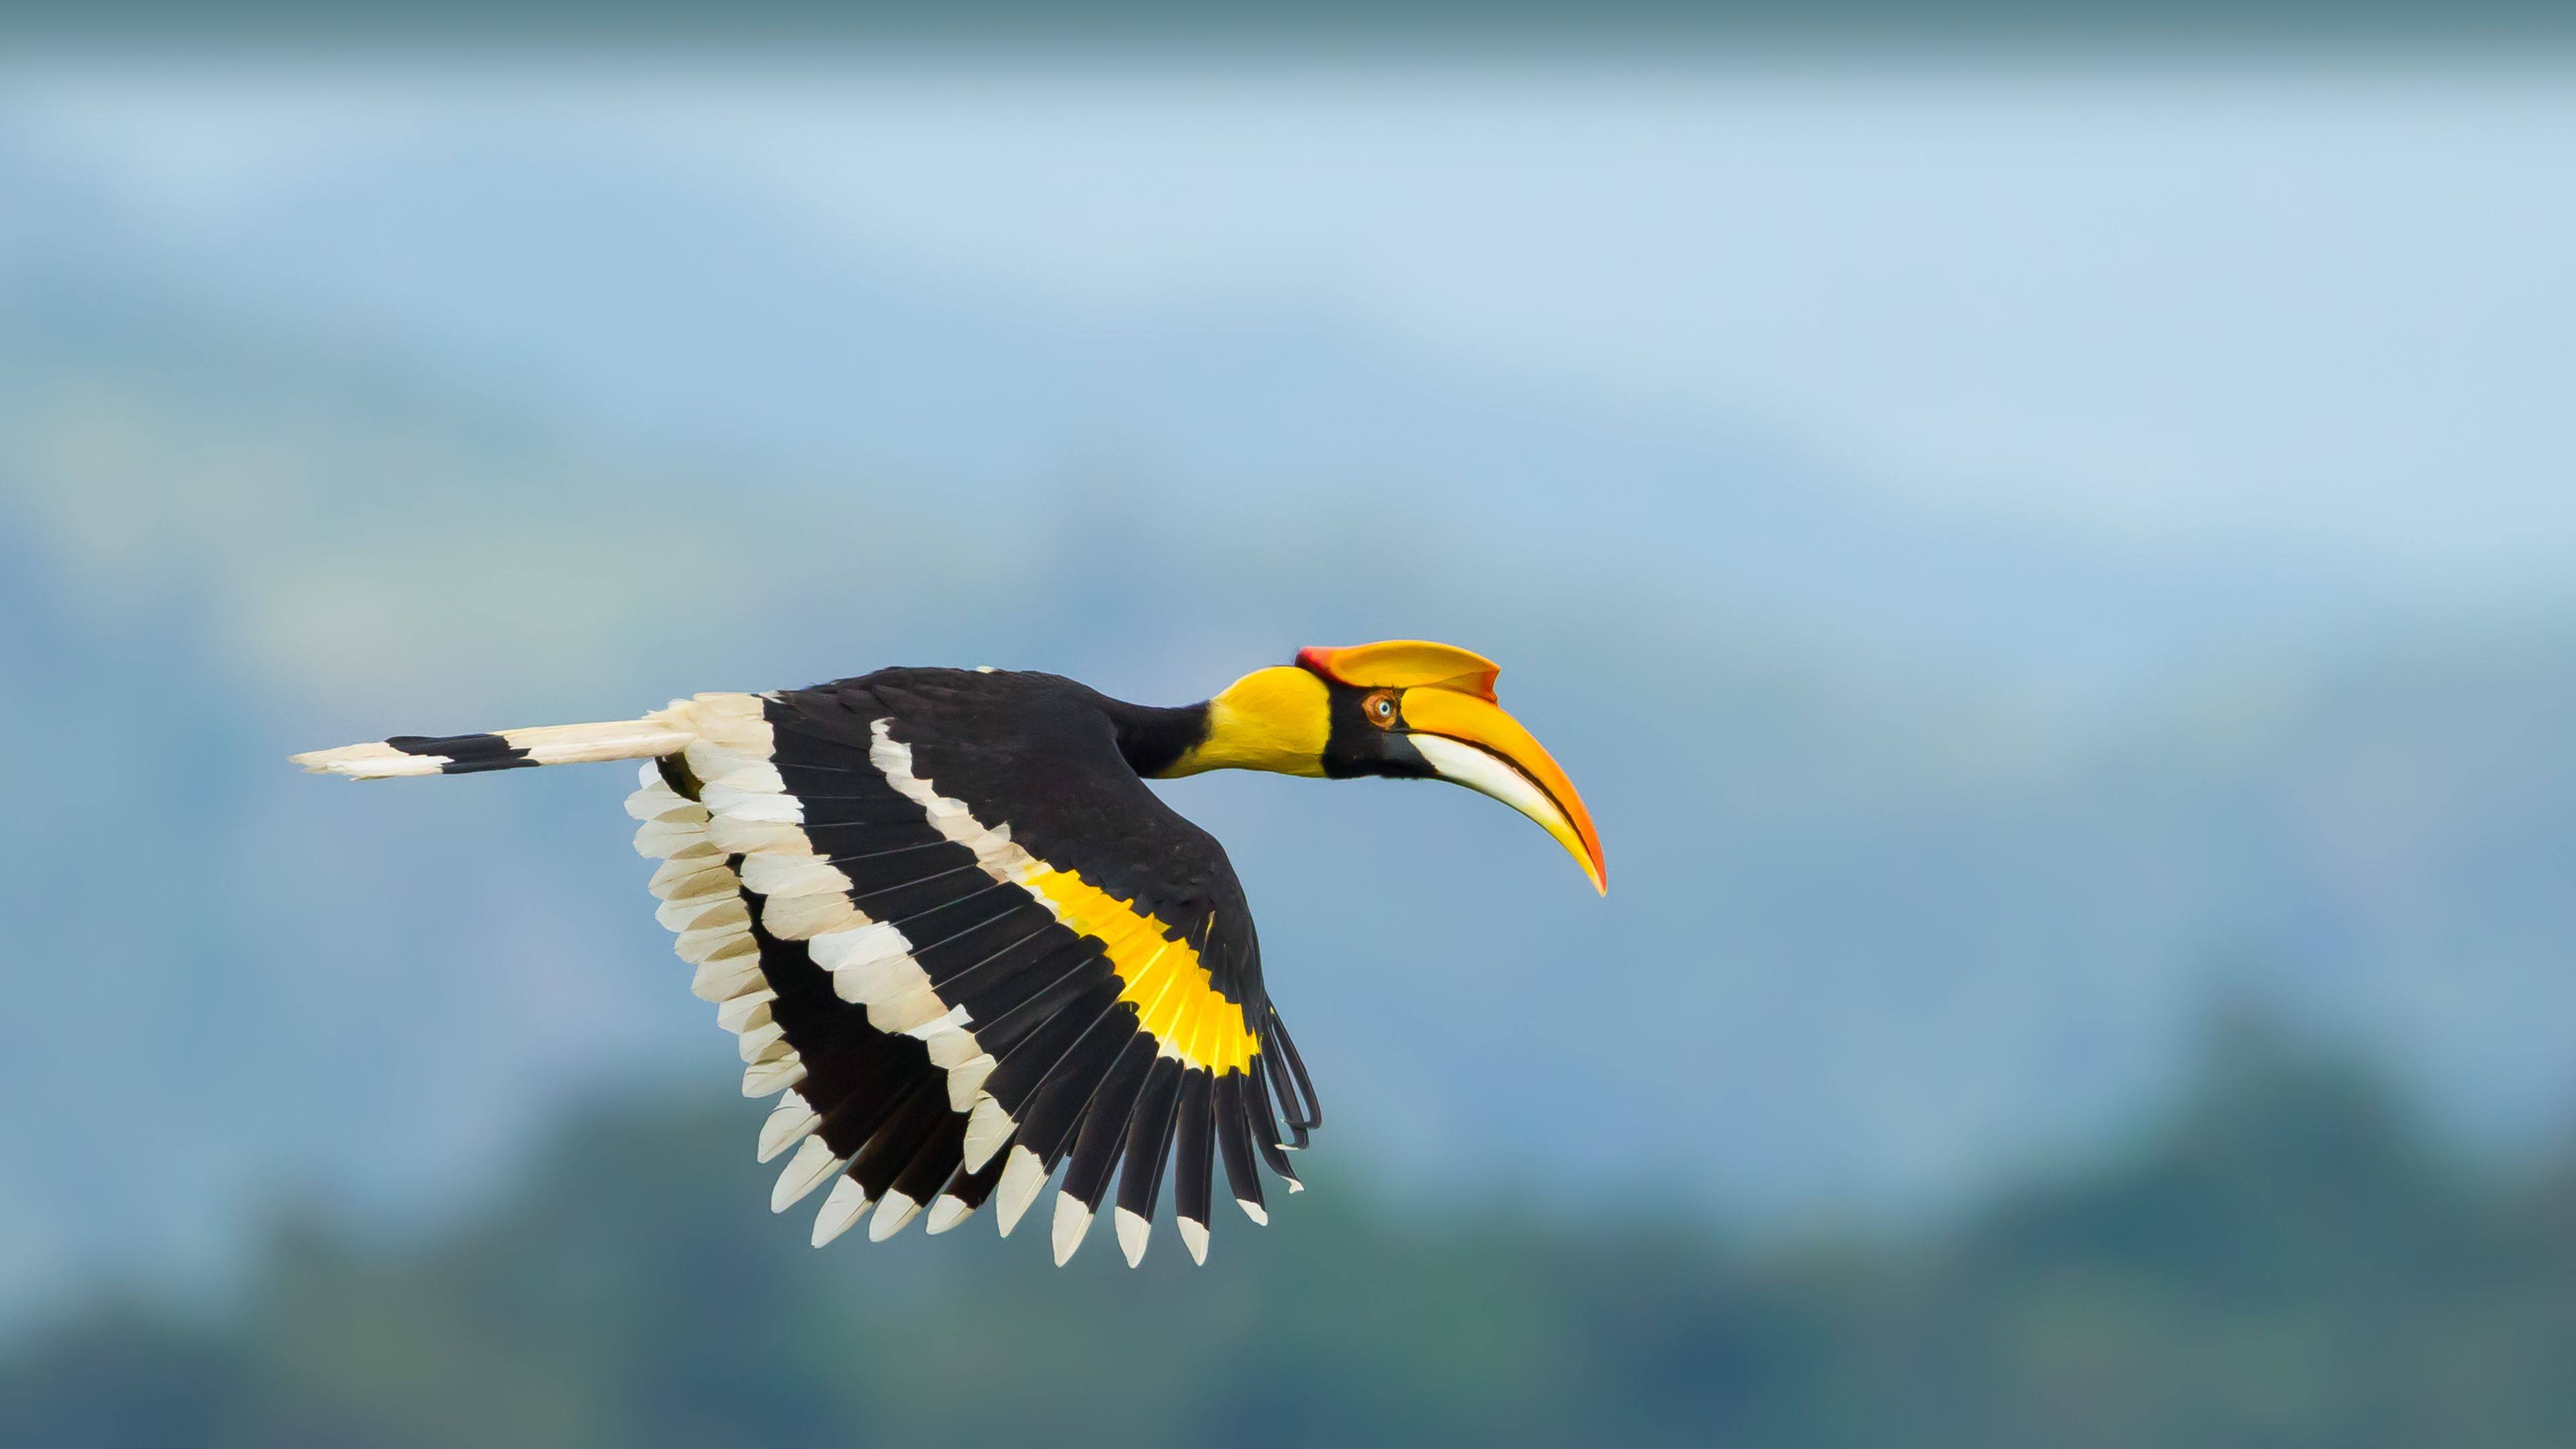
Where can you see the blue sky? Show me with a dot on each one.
(2318, 313)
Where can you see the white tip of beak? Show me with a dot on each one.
(1489, 774)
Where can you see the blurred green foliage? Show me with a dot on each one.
(2283, 1262)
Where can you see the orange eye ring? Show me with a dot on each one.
(1379, 708)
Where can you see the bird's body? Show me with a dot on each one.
(967, 945)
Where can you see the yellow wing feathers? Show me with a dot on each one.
(1175, 995)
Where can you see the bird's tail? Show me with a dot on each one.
(663, 732)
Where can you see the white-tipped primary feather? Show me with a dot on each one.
(856, 946)
(946, 1211)
(800, 917)
(1134, 1232)
(763, 1078)
(736, 836)
(840, 1209)
(987, 1128)
(658, 801)
(804, 1172)
(1253, 1210)
(739, 771)
(1072, 1220)
(736, 803)
(712, 762)
(667, 839)
(895, 1211)
(870, 963)
(1022, 1176)
(966, 1080)
(787, 1123)
(692, 879)
(910, 1012)
(729, 978)
(950, 1047)
(789, 875)
(725, 944)
(953, 1019)
(751, 1009)
(715, 943)
(1194, 1236)
(747, 769)
(712, 912)
(724, 939)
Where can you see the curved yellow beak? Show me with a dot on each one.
(1471, 741)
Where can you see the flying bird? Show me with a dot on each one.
(966, 945)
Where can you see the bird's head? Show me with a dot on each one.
(1405, 708)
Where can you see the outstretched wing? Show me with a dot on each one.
(969, 947)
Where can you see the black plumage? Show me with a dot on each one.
(1149, 1139)
(1043, 757)
(1194, 1148)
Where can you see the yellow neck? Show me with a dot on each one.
(1271, 719)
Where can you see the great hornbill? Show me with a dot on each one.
(965, 943)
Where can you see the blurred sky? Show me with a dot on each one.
(2312, 311)
(2012, 547)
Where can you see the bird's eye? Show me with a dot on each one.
(1380, 708)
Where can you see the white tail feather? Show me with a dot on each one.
(663, 732)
